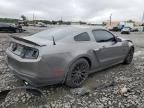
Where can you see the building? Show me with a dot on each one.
(127, 24)
(25, 23)
(112, 24)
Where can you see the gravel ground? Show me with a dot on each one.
(118, 87)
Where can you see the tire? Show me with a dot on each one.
(78, 73)
(129, 57)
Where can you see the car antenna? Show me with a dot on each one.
(54, 43)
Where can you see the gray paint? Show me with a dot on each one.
(52, 65)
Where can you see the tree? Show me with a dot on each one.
(104, 23)
(60, 22)
(54, 22)
(130, 21)
(23, 17)
(81, 22)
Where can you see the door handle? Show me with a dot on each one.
(103, 47)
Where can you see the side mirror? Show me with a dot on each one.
(116, 36)
(118, 39)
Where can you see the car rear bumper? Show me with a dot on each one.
(37, 73)
(33, 81)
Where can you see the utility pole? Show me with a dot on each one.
(33, 18)
(143, 21)
(143, 18)
(110, 19)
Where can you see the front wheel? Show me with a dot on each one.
(78, 73)
(129, 57)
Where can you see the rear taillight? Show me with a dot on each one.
(24, 51)
(30, 53)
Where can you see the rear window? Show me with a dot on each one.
(57, 33)
(126, 28)
(4, 25)
(82, 37)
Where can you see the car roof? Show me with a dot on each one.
(70, 29)
(64, 31)
(4, 23)
(78, 28)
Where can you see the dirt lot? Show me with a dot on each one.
(119, 87)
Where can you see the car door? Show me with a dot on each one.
(107, 49)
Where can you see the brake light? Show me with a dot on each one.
(30, 53)
(24, 51)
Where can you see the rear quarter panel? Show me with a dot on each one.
(61, 56)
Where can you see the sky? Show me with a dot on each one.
(73, 10)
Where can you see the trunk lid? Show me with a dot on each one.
(33, 40)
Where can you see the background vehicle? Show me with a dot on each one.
(40, 24)
(126, 30)
(134, 30)
(9, 28)
(66, 55)
(116, 29)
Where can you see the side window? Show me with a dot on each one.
(102, 36)
(4, 25)
(82, 37)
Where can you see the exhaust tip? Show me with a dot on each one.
(25, 82)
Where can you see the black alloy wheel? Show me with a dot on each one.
(129, 57)
(78, 73)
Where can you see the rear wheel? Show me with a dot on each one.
(78, 73)
(129, 57)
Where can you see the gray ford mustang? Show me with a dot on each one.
(66, 55)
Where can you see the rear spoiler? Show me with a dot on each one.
(24, 40)
(129, 41)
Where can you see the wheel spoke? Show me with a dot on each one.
(79, 73)
(130, 56)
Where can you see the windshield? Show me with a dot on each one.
(126, 28)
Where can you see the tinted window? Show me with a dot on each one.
(82, 37)
(126, 28)
(102, 36)
(4, 25)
